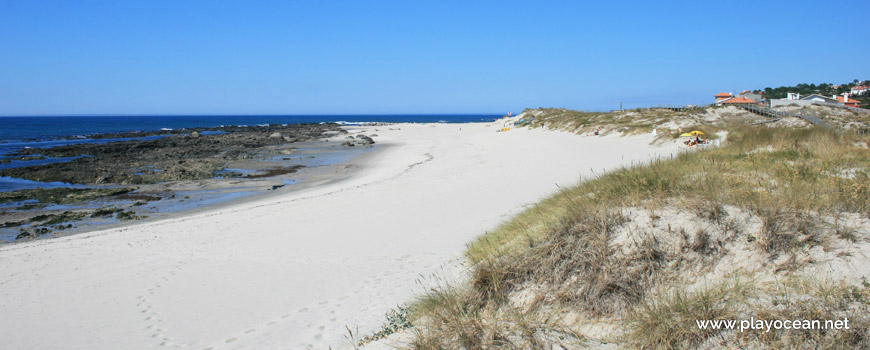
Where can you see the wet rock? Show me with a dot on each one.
(26, 158)
(11, 224)
(178, 157)
(365, 140)
(347, 144)
(349, 138)
(25, 235)
(373, 135)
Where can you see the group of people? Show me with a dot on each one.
(698, 141)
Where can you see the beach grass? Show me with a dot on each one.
(779, 194)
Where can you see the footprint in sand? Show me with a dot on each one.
(230, 340)
(304, 309)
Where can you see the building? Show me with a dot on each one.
(722, 96)
(755, 96)
(819, 98)
(860, 90)
(844, 99)
(736, 101)
(793, 96)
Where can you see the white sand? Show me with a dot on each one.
(290, 272)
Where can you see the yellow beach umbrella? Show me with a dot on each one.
(692, 133)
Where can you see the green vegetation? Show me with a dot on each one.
(630, 247)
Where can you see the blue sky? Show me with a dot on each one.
(369, 57)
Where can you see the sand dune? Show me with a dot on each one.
(291, 271)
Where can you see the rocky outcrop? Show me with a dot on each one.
(173, 157)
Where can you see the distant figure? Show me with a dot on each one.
(597, 131)
(542, 125)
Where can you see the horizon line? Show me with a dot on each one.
(238, 115)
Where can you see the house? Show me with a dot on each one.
(793, 96)
(819, 98)
(755, 96)
(736, 101)
(722, 96)
(860, 90)
(844, 99)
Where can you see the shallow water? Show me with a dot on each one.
(312, 155)
(12, 184)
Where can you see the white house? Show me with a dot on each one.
(860, 90)
(819, 98)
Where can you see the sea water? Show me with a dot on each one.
(17, 133)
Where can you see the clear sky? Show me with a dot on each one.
(369, 57)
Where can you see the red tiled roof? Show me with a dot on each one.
(851, 101)
(739, 100)
(722, 94)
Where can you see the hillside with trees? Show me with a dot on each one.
(824, 89)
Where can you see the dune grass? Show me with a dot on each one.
(628, 122)
(794, 181)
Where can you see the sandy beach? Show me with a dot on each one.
(293, 271)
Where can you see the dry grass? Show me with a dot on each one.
(789, 180)
(668, 320)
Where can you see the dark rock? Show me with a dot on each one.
(178, 157)
(11, 224)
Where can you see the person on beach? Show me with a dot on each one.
(597, 131)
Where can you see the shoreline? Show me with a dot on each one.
(294, 269)
(308, 179)
(242, 180)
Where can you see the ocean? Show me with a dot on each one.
(20, 129)
(17, 133)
